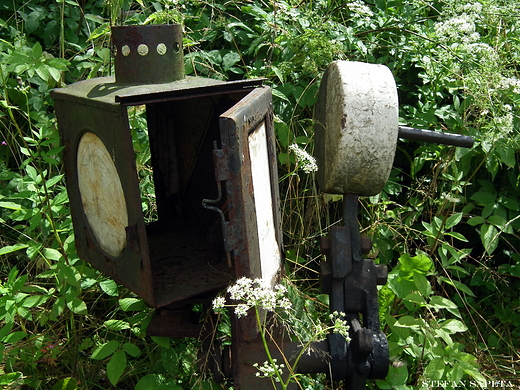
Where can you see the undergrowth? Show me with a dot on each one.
(446, 224)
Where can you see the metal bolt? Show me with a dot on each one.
(381, 274)
(366, 245)
(325, 245)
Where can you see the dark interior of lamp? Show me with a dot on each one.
(185, 240)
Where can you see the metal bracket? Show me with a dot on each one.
(351, 281)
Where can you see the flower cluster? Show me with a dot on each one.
(268, 370)
(307, 162)
(254, 293)
(359, 8)
(340, 325)
(458, 29)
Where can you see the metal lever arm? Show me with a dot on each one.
(435, 137)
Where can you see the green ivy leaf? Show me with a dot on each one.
(116, 366)
(10, 205)
(230, 59)
(149, 382)
(483, 198)
(52, 254)
(37, 51)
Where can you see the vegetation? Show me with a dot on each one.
(447, 224)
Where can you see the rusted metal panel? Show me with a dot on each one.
(132, 266)
(247, 130)
(150, 54)
(236, 125)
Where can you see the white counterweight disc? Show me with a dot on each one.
(356, 128)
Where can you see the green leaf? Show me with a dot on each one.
(132, 349)
(438, 302)
(132, 304)
(420, 263)
(458, 285)
(230, 59)
(105, 350)
(458, 236)
(66, 384)
(474, 221)
(397, 375)
(12, 248)
(483, 198)
(175, 386)
(53, 72)
(497, 221)
(280, 95)
(9, 378)
(149, 382)
(109, 287)
(453, 220)
(510, 203)
(162, 341)
(489, 237)
(37, 51)
(435, 369)
(14, 337)
(43, 72)
(116, 366)
(415, 298)
(10, 205)
(117, 325)
(34, 300)
(408, 322)
(77, 306)
(278, 74)
(454, 326)
(422, 284)
(52, 254)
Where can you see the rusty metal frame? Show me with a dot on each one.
(100, 106)
(233, 168)
(110, 123)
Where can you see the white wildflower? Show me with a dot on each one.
(306, 161)
(241, 310)
(510, 83)
(458, 29)
(269, 370)
(340, 325)
(359, 8)
(257, 293)
(219, 303)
